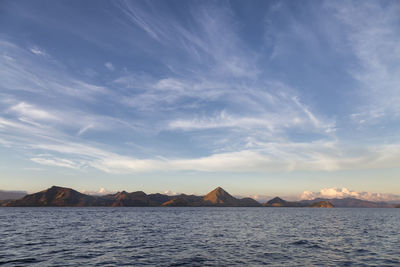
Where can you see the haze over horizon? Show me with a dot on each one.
(263, 98)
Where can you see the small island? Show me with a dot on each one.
(322, 204)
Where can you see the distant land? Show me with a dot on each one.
(66, 197)
(322, 204)
(8, 195)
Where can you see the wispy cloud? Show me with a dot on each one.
(38, 51)
(85, 128)
(372, 33)
(45, 76)
(271, 158)
(54, 161)
(215, 42)
(26, 110)
(203, 87)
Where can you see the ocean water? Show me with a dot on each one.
(199, 237)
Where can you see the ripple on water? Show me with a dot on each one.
(199, 237)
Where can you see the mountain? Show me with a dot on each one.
(322, 204)
(54, 196)
(351, 203)
(219, 197)
(216, 198)
(336, 202)
(176, 202)
(134, 199)
(398, 206)
(249, 202)
(278, 202)
(10, 195)
(61, 196)
(159, 198)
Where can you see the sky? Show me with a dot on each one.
(263, 98)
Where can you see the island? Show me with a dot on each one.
(57, 196)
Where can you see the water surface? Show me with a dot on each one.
(199, 237)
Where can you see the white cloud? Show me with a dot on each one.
(223, 120)
(170, 193)
(109, 66)
(272, 157)
(38, 51)
(101, 191)
(54, 161)
(345, 193)
(85, 128)
(26, 110)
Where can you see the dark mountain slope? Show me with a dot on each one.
(219, 197)
(278, 202)
(55, 196)
(351, 203)
(322, 204)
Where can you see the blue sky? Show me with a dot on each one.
(259, 97)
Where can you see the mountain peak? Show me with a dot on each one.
(54, 196)
(219, 190)
(54, 187)
(276, 200)
(220, 196)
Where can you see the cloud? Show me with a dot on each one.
(208, 38)
(372, 33)
(26, 110)
(170, 193)
(101, 191)
(38, 51)
(54, 161)
(206, 80)
(344, 193)
(269, 121)
(85, 128)
(21, 71)
(109, 66)
(5, 143)
(270, 158)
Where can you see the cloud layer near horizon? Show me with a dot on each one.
(345, 193)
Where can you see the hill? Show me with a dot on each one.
(322, 204)
(216, 198)
(219, 197)
(61, 196)
(11, 195)
(351, 203)
(278, 202)
(336, 202)
(54, 196)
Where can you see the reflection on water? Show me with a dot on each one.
(199, 236)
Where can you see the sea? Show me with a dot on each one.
(203, 236)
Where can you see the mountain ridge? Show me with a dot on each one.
(66, 197)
